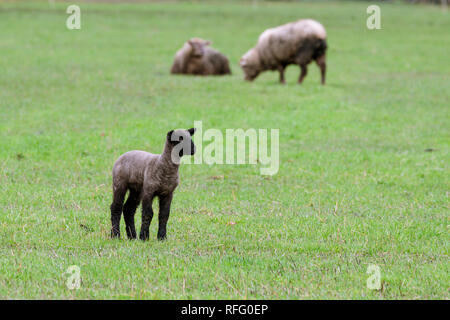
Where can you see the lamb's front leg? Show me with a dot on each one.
(164, 211)
(147, 215)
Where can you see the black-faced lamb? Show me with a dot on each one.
(146, 176)
(298, 42)
(197, 58)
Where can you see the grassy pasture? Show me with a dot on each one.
(355, 185)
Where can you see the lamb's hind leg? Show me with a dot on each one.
(116, 210)
(129, 210)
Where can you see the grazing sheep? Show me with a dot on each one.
(147, 176)
(196, 57)
(297, 42)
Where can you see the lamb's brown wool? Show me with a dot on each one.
(298, 42)
(147, 176)
(196, 57)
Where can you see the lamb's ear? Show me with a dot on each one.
(207, 42)
(192, 131)
(169, 135)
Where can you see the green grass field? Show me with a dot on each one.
(355, 185)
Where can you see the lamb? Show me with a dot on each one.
(297, 42)
(196, 57)
(147, 176)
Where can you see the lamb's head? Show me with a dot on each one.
(250, 64)
(180, 143)
(198, 46)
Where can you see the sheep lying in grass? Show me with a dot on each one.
(196, 57)
(298, 43)
(147, 176)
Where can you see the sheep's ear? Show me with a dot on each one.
(191, 43)
(192, 131)
(207, 42)
(242, 62)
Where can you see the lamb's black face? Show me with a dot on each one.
(181, 140)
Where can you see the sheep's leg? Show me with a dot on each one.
(304, 72)
(226, 68)
(321, 62)
(116, 210)
(281, 70)
(164, 211)
(129, 210)
(147, 216)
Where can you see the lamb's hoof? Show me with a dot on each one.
(143, 236)
(162, 238)
(131, 235)
(115, 234)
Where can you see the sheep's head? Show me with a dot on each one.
(250, 65)
(198, 46)
(181, 142)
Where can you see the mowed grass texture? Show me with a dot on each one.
(364, 162)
